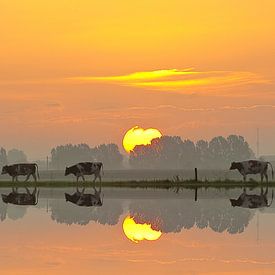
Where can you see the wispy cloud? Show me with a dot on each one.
(173, 79)
(54, 113)
(202, 109)
(209, 259)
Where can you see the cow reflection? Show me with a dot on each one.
(17, 198)
(81, 199)
(252, 201)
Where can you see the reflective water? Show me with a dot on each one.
(203, 236)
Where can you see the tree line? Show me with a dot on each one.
(166, 152)
(12, 156)
(171, 152)
(69, 154)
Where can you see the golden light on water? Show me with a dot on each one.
(139, 136)
(139, 232)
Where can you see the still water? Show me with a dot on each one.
(137, 231)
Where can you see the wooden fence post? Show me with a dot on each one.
(196, 174)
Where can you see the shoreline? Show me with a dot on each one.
(152, 184)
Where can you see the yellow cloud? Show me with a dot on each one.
(173, 79)
(139, 76)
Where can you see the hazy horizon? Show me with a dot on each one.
(42, 154)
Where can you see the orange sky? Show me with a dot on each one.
(86, 71)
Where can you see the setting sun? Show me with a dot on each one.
(139, 232)
(139, 136)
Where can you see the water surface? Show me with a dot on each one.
(203, 236)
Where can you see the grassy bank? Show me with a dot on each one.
(161, 184)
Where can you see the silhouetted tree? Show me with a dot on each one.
(172, 152)
(16, 156)
(108, 154)
(219, 151)
(239, 148)
(66, 155)
(3, 157)
(169, 151)
(202, 153)
(189, 156)
(161, 153)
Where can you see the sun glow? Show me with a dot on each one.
(139, 136)
(139, 232)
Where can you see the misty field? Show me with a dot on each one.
(144, 179)
(146, 175)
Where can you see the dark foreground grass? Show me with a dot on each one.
(153, 184)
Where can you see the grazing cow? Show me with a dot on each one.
(21, 169)
(17, 198)
(252, 167)
(85, 168)
(252, 201)
(82, 199)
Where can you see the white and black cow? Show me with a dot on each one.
(252, 201)
(21, 169)
(252, 167)
(85, 168)
(17, 198)
(82, 199)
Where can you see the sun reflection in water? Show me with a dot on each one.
(139, 232)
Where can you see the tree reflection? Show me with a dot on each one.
(165, 213)
(3, 211)
(14, 204)
(108, 214)
(14, 212)
(173, 216)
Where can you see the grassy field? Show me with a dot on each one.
(146, 178)
(162, 184)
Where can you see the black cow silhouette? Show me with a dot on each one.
(252, 200)
(85, 168)
(81, 199)
(17, 198)
(21, 169)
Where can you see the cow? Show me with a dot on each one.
(17, 198)
(85, 168)
(21, 169)
(252, 167)
(82, 199)
(252, 201)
